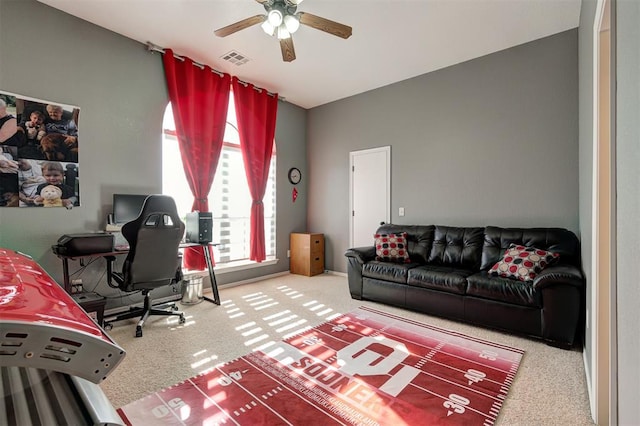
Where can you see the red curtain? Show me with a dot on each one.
(256, 112)
(199, 99)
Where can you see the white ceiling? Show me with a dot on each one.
(392, 40)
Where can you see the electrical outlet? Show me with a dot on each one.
(288, 253)
(401, 211)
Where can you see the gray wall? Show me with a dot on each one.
(587, 15)
(628, 207)
(492, 141)
(121, 91)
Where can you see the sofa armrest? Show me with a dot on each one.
(562, 288)
(559, 274)
(361, 254)
(356, 258)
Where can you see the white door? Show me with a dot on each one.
(369, 193)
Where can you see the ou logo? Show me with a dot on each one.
(370, 356)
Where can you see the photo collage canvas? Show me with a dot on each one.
(39, 153)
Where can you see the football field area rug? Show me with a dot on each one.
(365, 367)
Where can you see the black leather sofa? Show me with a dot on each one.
(447, 276)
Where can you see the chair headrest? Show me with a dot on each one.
(159, 204)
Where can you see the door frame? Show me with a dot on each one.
(603, 251)
(352, 155)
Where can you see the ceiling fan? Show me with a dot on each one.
(282, 21)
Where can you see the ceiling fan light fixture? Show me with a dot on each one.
(292, 23)
(283, 32)
(267, 27)
(275, 17)
(282, 20)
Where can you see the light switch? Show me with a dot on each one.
(401, 211)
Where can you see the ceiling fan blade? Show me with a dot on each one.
(262, 1)
(288, 52)
(326, 25)
(240, 25)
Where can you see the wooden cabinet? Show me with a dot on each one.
(307, 254)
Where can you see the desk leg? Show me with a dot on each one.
(65, 275)
(212, 276)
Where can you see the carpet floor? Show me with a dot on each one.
(549, 387)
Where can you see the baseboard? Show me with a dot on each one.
(265, 277)
(248, 281)
(207, 290)
(587, 373)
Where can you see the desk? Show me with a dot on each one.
(207, 257)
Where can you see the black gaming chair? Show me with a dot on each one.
(153, 259)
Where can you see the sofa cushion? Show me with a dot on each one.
(557, 240)
(522, 263)
(443, 278)
(457, 247)
(395, 272)
(419, 239)
(392, 247)
(503, 290)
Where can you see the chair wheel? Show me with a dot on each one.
(182, 319)
(175, 307)
(108, 326)
(138, 331)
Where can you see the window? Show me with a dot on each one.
(229, 199)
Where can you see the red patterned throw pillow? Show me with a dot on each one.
(392, 248)
(523, 263)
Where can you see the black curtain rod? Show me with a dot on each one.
(153, 48)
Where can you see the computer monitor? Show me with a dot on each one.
(127, 207)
